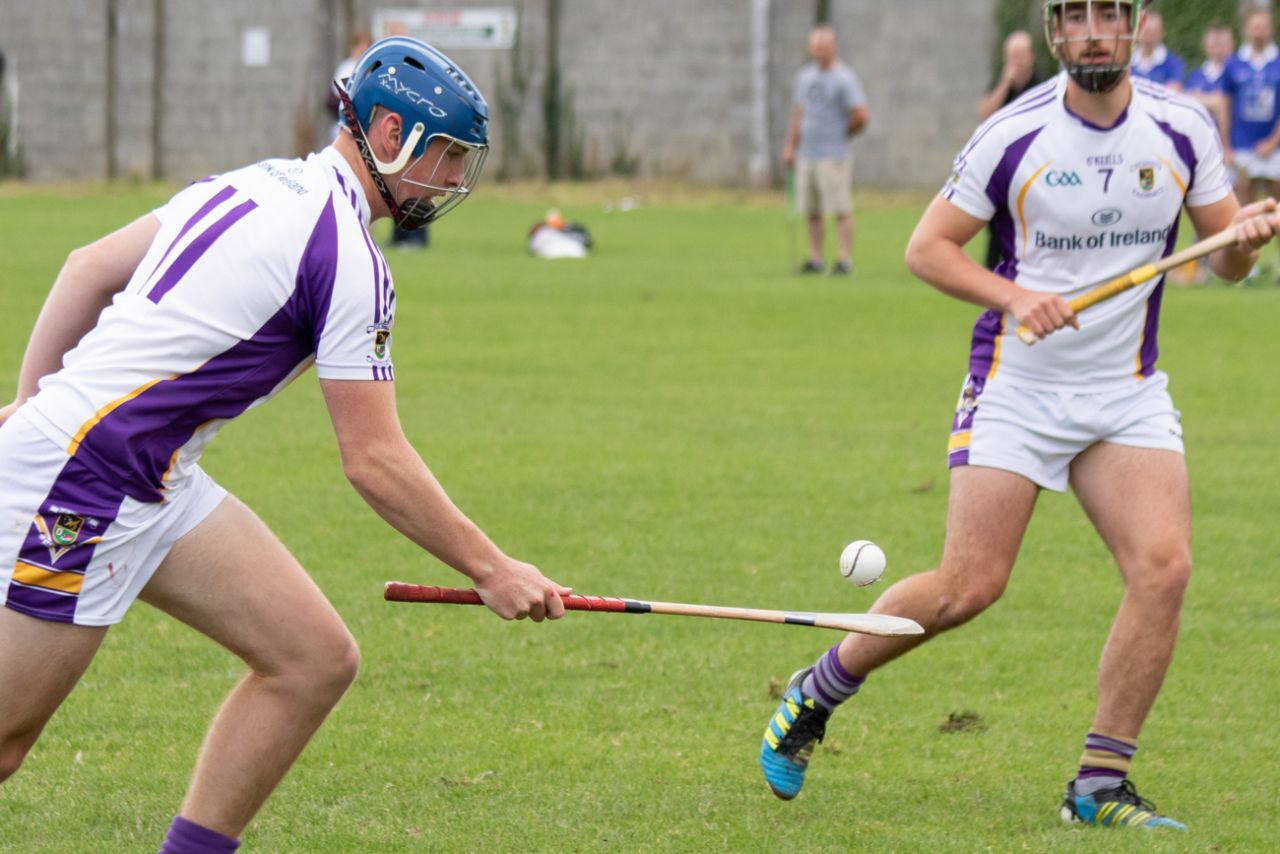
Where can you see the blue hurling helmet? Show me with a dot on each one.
(434, 99)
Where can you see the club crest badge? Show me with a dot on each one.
(380, 339)
(1147, 174)
(63, 535)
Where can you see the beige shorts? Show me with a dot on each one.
(73, 547)
(1038, 433)
(824, 187)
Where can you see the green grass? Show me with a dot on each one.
(678, 418)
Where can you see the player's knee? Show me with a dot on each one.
(1164, 575)
(968, 601)
(333, 671)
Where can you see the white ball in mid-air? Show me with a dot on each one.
(862, 562)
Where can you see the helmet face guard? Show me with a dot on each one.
(441, 111)
(1091, 76)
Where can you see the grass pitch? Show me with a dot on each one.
(679, 418)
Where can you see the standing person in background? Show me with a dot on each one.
(1251, 112)
(356, 46)
(1152, 60)
(829, 109)
(1016, 76)
(1204, 83)
(1249, 92)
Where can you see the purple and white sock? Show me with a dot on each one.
(829, 684)
(1104, 763)
(187, 837)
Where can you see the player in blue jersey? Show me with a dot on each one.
(1250, 86)
(1205, 79)
(1083, 177)
(158, 334)
(1153, 60)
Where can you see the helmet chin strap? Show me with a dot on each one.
(413, 214)
(1096, 78)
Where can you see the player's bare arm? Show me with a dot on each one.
(389, 474)
(89, 278)
(1255, 224)
(935, 253)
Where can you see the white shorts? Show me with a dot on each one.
(73, 547)
(1037, 433)
(1253, 165)
(823, 187)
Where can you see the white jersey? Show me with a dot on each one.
(1074, 205)
(252, 276)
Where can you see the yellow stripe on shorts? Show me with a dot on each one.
(38, 576)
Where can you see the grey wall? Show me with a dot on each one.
(664, 85)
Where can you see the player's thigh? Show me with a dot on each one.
(231, 579)
(987, 514)
(1139, 501)
(40, 662)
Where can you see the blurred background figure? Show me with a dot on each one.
(1017, 75)
(1249, 113)
(356, 46)
(1204, 83)
(829, 109)
(1152, 60)
(555, 237)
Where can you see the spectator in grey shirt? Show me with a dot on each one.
(829, 109)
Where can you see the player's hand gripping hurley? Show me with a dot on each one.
(867, 624)
(1138, 275)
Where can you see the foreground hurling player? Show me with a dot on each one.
(1082, 177)
(209, 306)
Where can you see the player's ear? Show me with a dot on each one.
(386, 137)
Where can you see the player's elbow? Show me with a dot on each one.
(916, 257)
(367, 465)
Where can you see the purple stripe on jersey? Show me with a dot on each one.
(342, 182)
(1186, 151)
(1000, 117)
(1002, 176)
(134, 444)
(197, 248)
(218, 198)
(1150, 350)
(378, 268)
(389, 292)
(982, 349)
(77, 510)
(318, 271)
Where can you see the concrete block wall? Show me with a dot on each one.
(664, 83)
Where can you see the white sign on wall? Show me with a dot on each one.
(255, 46)
(450, 28)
